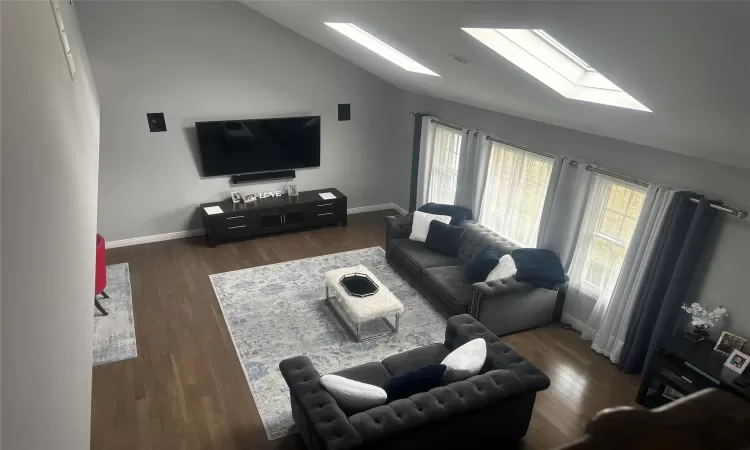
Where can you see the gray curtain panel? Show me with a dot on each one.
(415, 145)
(657, 310)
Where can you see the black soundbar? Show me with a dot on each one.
(263, 176)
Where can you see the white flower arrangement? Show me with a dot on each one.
(703, 319)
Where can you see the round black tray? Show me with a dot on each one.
(358, 285)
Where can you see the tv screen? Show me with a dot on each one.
(234, 147)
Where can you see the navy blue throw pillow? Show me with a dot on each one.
(458, 213)
(481, 266)
(538, 267)
(444, 238)
(414, 382)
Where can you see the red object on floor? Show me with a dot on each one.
(100, 281)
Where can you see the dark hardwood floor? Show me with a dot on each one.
(186, 388)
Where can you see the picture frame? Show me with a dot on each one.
(672, 393)
(248, 198)
(737, 361)
(729, 342)
(236, 197)
(293, 190)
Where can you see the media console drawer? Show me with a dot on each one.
(273, 215)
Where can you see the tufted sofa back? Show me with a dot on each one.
(477, 237)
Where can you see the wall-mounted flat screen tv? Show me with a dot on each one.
(232, 147)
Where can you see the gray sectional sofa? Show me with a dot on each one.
(489, 410)
(503, 306)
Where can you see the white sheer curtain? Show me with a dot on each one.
(475, 156)
(439, 154)
(608, 225)
(426, 145)
(516, 188)
(610, 320)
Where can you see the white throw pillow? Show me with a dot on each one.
(505, 268)
(351, 395)
(421, 224)
(465, 361)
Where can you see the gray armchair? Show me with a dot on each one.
(504, 306)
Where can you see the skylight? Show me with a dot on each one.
(543, 57)
(364, 38)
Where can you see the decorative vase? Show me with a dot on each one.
(696, 334)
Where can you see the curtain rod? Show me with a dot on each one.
(530, 150)
(737, 212)
(439, 122)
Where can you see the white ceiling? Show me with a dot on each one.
(688, 62)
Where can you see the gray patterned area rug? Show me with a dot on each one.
(114, 334)
(278, 311)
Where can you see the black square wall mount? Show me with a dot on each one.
(156, 122)
(345, 112)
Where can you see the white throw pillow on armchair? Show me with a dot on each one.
(353, 396)
(465, 361)
(421, 224)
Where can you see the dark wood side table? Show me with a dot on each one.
(687, 367)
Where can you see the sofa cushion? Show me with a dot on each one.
(444, 238)
(450, 285)
(370, 373)
(420, 256)
(416, 358)
(458, 213)
(418, 380)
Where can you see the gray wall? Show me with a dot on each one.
(723, 277)
(199, 61)
(50, 136)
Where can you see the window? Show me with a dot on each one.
(609, 221)
(514, 194)
(546, 59)
(444, 171)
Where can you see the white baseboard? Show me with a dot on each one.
(572, 321)
(382, 207)
(154, 238)
(191, 233)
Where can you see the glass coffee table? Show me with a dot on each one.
(355, 295)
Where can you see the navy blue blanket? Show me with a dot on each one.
(539, 267)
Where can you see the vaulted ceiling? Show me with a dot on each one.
(688, 62)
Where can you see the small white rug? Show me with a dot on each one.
(114, 334)
(278, 311)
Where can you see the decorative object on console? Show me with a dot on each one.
(465, 361)
(701, 320)
(236, 197)
(292, 190)
(248, 198)
(421, 225)
(729, 342)
(737, 361)
(269, 194)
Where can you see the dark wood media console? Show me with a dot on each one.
(272, 215)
